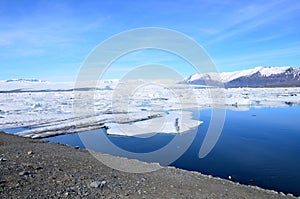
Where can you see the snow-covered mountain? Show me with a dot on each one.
(256, 77)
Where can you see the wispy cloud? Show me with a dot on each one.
(256, 16)
(259, 58)
(38, 36)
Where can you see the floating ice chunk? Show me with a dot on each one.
(37, 105)
(173, 122)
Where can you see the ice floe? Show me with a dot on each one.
(172, 122)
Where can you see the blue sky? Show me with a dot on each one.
(51, 39)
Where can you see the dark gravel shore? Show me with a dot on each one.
(37, 169)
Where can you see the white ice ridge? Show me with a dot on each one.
(46, 114)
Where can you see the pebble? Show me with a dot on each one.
(102, 183)
(22, 173)
(2, 159)
(39, 168)
(114, 175)
(2, 181)
(127, 193)
(97, 184)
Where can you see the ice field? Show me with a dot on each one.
(46, 109)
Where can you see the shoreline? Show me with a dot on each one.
(37, 168)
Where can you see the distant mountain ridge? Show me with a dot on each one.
(256, 77)
(36, 85)
(25, 80)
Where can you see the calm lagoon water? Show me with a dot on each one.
(260, 147)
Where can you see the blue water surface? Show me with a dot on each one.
(259, 147)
